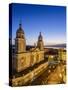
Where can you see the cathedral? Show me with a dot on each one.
(27, 58)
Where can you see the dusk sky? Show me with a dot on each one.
(49, 20)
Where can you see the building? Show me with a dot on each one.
(23, 58)
(62, 54)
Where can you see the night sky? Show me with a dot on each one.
(49, 20)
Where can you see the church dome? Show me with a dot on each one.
(20, 32)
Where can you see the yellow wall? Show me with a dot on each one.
(27, 59)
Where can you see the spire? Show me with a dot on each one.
(40, 43)
(40, 33)
(20, 24)
(35, 45)
(40, 36)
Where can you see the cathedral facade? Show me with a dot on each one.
(23, 58)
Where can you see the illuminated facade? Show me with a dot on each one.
(24, 58)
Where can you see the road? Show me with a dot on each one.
(55, 74)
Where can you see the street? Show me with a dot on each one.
(55, 74)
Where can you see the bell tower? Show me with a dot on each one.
(40, 43)
(20, 42)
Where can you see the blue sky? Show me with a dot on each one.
(50, 20)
